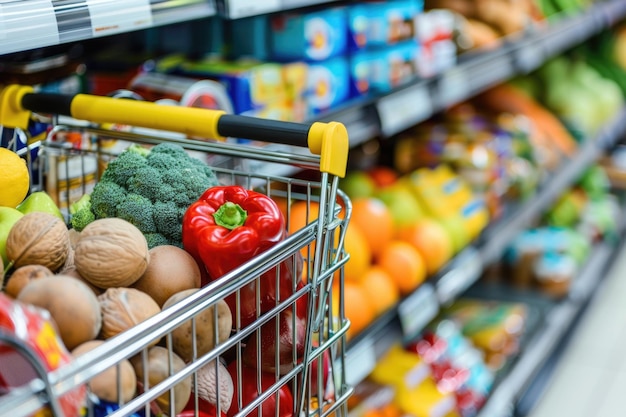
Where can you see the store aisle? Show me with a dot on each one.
(590, 378)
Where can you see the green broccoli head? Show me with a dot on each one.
(105, 198)
(122, 168)
(152, 189)
(137, 209)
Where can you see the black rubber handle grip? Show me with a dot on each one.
(264, 130)
(48, 103)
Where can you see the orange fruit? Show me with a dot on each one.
(381, 289)
(383, 175)
(357, 309)
(375, 220)
(300, 214)
(355, 244)
(404, 263)
(431, 240)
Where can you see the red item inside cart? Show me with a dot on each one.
(34, 331)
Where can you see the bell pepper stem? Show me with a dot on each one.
(230, 215)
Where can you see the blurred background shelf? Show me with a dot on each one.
(417, 310)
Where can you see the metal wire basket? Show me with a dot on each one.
(314, 377)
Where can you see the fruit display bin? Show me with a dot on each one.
(306, 323)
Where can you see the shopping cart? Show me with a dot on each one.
(316, 389)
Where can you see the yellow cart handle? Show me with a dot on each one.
(329, 140)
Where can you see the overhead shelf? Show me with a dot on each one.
(31, 24)
(388, 114)
(413, 313)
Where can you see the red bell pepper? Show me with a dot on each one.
(277, 405)
(228, 226)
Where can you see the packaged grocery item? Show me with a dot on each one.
(256, 87)
(34, 329)
(69, 175)
(495, 327)
(416, 391)
(435, 33)
(393, 66)
(380, 24)
(554, 273)
(328, 84)
(188, 92)
(312, 36)
(445, 195)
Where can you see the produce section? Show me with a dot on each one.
(450, 168)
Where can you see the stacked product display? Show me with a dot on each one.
(207, 241)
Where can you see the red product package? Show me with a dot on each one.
(34, 329)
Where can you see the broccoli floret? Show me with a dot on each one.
(152, 189)
(137, 209)
(170, 149)
(148, 182)
(122, 168)
(157, 239)
(105, 198)
(168, 220)
(81, 214)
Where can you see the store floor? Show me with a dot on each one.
(590, 377)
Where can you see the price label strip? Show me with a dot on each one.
(467, 269)
(530, 57)
(453, 87)
(27, 25)
(404, 108)
(360, 361)
(109, 17)
(243, 8)
(417, 310)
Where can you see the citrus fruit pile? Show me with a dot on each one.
(394, 241)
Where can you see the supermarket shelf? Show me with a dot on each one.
(391, 113)
(236, 9)
(414, 312)
(31, 24)
(540, 347)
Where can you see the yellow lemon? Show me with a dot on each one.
(14, 178)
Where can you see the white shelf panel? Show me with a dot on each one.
(30, 24)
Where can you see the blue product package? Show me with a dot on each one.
(358, 17)
(391, 22)
(360, 68)
(393, 66)
(328, 84)
(314, 36)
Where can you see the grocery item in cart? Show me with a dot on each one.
(29, 332)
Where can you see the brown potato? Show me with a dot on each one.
(159, 370)
(170, 270)
(104, 385)
(182, 336)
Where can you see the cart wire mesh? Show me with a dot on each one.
(301, 374)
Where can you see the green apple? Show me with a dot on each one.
(40, 201)
(8, 217)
